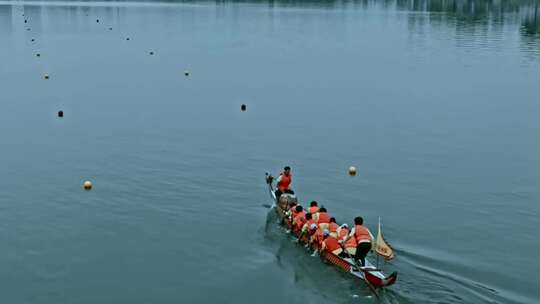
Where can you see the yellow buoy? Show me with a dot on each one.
(352, 171)
(87, 185)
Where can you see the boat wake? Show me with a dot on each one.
(432, 280)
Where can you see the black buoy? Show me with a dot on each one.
(25, 21)
(60, 113)
(243, 107)
(33, 39)
(38, 55)
(97, 20)
(127, 38)
(186, 73)
(151, 53)
(28, 29)
(110, 29)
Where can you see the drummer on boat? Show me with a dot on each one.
(284, 182)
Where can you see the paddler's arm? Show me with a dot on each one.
(351, 234)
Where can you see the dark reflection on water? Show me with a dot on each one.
(530, 32)
(6, 19)
(530, 25)
(468, 18)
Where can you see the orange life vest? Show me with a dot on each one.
(308, 223)
(299, 221)
(331, 244)
(324, 217)
(284, 182)
(313, 209)
(361, 234)
(333, 227)
(318, 237)
(293, 214)
(351, 242)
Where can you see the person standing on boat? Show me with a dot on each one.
(284, 182)
(363, 238)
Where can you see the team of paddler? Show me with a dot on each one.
(319, 230)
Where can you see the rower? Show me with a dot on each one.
(299, 219)
(348, 243)
(284, 182)
(333, 227)
(290, 213)
(331, 244)
(313, 207)
(306, 228)
(309, 221)
(323, 218)
(317, 237)
(363, 238)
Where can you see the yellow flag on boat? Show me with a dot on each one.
(382, 248)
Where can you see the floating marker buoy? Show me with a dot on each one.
(186, 73)
(33, 39)
(87, 185)
(110, 29)
(46, 76)
(28, 29)
(60, 113)
(127, 38)
(97, 20)
(38, 55)
(352, 171)
(25, 21)
(243, 107)
(151, 53)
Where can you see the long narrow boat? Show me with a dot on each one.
(373, 277)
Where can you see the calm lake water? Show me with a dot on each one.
(435, 102)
